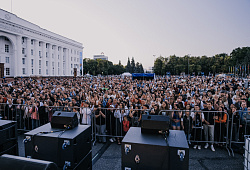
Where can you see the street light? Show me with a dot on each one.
(188, 63)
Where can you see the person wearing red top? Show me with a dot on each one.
(125, 124)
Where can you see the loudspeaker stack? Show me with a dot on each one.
(69, 147)
(8, 137)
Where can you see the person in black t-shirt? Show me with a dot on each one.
(100, 122)
(209, 115)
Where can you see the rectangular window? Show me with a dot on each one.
(32, 52)
(7, 71)
(46, 54)
(46, 45)
(74, 59)
(71, 65)
(58, 71)
(40, 71)
(47, 63)
(71, 58)
(7, 49)
(40, 44)
(52, 64)
(23, 60)
(23, 51)
(40, 53)
(40, 63)
(53, 72)
(58, 64)
(58, 57)
(32, 63)
(7, 59)
(47, 72)
(32, 71)
(22, 39)
(32, 42)
(23, 70)
(58, 48)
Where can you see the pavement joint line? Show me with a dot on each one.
(202, 164)
(100, 152)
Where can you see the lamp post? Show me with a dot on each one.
(154, 63)
(188, 63)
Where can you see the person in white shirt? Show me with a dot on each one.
(86, 112)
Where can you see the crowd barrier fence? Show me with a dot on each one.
(111, 125)
(240, 127)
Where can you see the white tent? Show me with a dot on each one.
(126, 74)
(87, 75)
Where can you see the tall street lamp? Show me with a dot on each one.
(188, 63)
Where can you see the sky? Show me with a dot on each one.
(143, 29)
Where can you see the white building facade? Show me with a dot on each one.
(28, 50)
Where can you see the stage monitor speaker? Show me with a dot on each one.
(22, 163)
(63, 147)
(152, 151)
(154, 123)
(144, 151)
(8, 137)
(63, 120)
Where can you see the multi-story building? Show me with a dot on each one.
(102, 57)
(28, 50)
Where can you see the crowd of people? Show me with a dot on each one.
(204, 107)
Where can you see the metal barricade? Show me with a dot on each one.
(112, 124)
(200, 132)
(246, 162)
(240, 127)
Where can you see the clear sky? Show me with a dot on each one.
(142, 28)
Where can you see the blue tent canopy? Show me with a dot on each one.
(142, 76)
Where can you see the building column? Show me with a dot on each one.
(56, 60)
(50, 59)
(67, 68)
(61, 62)
(43, 59)
(36, 57)
(28, 56)
(18, 57)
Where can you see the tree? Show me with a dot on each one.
(158, 65)
(137, 69)
(128, 67)
(141, 70)
(132, 65)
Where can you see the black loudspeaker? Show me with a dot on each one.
(20, 163)
(64, 120)
(85, 163)
(144, 151)
(178, 150)
(150, 151)
(8, 137)
(154, 123)
(65, 148)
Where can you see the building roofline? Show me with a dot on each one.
(39, 27)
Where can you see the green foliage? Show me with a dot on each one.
(133, 67)
(128, 67)
(103, 67)
(219, 63)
